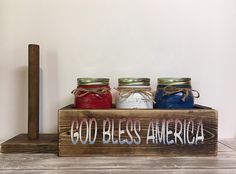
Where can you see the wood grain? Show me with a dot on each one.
(46, 143)
(225, 162)
(67, 114)
(33, 91)
(115, 171)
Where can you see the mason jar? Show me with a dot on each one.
(175, 93)
(134, 93)
(93, 93)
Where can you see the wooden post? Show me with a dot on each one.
(33, 142)
(33, 92)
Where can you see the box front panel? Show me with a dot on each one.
(137, 132)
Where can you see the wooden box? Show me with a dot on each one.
(138, 132)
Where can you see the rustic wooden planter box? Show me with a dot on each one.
(138, 132)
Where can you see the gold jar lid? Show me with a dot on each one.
(174, 81)
(93, 81)
(134, 81)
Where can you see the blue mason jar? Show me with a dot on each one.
(174, 93)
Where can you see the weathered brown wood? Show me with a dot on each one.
(33, 91)
(46, 143)
(207, 116)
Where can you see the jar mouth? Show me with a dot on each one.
(130, 81)
(174, 81)
(93, 81)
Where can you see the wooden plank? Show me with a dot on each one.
(33, 92)
(166, 171)
(221, 147)
(52, 162)
(225, 162)
(208, 118)
(47, 143)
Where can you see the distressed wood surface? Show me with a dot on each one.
(207, 116)
(33, 91)
(46, 143)
(225, 162)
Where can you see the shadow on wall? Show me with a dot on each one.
(21, 103)
(49, 97)
(49, 93)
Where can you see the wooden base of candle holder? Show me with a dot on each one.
(47, 143)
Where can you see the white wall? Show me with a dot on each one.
(116, 38)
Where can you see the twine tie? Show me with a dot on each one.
(146, 93)
(170, 90)
(80, 92)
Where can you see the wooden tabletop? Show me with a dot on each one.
(225, 162)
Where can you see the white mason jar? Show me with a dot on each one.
(134, 93)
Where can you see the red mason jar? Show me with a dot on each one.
(93, 93)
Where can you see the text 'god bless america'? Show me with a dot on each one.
(134, 131)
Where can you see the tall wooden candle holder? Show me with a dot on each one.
(33, 142)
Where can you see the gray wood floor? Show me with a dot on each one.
(225, 162)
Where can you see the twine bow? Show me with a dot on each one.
(169, 90)
(146, 93)
(80, 92)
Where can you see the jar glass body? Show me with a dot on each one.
(181, 99)
(135, 100)
(92, 100)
